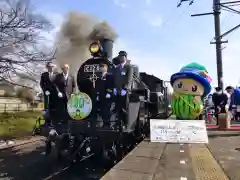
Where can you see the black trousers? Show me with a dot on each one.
(121, 107)
(217, 111)
(46, 101)
(60, 111)
(104, 105)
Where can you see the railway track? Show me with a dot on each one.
(21, 142)
(26, 155)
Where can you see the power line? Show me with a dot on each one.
(217, 7)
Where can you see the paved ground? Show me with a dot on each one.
(219, 160)
(226, 150)
(28, 162)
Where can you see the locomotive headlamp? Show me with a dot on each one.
(94, 48)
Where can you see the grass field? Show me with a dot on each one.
(13, 125)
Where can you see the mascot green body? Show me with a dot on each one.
(190, 85)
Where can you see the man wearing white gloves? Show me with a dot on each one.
(65, 85)
(48, 86)
(105, 93)
(123, 77)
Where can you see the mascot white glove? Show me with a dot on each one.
(47, 93)
(123, 92)
(60, 95)
(108, 96)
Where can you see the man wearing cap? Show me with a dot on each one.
(48, 86)
(105, 93)
(123, 77)
(65, 85)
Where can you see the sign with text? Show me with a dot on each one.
(178, 131)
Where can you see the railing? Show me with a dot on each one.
(17, 107)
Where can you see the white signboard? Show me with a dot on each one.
(178, 131)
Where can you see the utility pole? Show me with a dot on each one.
(216, 13)
(217, 7)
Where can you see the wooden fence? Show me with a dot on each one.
(16, 107)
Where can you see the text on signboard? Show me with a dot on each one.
(92, 68)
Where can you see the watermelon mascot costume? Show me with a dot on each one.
(190, 86)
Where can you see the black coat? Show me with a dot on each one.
(219, 99)
(48, 84)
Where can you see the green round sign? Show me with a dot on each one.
(79, 106)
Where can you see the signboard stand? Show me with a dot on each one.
(178, 131)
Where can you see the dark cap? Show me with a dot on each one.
(122, 53)
(229, 88)
(50, 64)
(218, 89)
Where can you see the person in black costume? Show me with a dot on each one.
(123, 77)
(220, 100)
(105, 93)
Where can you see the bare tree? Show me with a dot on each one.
(21, 41)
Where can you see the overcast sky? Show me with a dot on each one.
(157, 35)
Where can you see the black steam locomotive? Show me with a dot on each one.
(84, 135)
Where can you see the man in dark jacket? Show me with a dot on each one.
(48, 86)
(105, 93)
(66, 86)
(123, 77)
(219, 99)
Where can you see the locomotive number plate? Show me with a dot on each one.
(92, 68)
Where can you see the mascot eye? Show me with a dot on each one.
(194, 88)
(179, 85)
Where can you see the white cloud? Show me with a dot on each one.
(120, 3)
(153, 19)
(231, 70)
(152, 64)
(231, 63)
(148, 2)
(56, 19)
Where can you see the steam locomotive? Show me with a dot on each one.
(84, 136)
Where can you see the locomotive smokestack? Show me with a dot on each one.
(107, 46)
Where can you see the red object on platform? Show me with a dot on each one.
(232, 128)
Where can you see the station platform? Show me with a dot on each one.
(218, 160)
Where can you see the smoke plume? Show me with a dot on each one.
(77, 32)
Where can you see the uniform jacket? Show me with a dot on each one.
(123, 77)
(105, 85)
